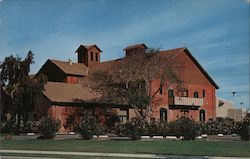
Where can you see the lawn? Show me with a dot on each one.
(195, 148)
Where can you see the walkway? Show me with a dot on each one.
(120, 155)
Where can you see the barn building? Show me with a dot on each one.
(65, 95)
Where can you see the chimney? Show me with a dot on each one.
(135, 49)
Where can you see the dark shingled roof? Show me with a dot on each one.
(71, 69)
(69, 93)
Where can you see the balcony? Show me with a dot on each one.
(185, 101)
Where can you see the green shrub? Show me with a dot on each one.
(164, 129)
(212, 127)
(184, 127)
(29, 126)
(225, 126)
(120, 129)
(203, 128)
(48, 127)
(136, 127)
(152, 128)
(219, 126)
(89, 127)
(8, 126)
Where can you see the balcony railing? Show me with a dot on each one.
(185, 101)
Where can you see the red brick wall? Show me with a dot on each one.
(72, 79)
(194, 81)
(94, 50)
(61, 113)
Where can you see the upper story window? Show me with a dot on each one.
(96, 56)
(161, 89)
(170, 93)
(203, 93)
(196, 95)
(92, 56)
(184, 92)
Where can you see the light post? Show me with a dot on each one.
(233, 96)
(233, 105)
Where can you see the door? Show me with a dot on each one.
(163, 114)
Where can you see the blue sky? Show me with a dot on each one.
(215, 31)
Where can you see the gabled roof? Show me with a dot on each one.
(201, 68)
(71, 69)
(174, 52)
(88, 47)
(141, 46)
(59, 92)
(171, 53)
(167, 53)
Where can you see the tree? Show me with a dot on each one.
(132, 80)
(244, 127)
(19, 91)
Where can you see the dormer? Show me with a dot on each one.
(88, 54)
(135, 49)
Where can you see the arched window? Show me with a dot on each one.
(96, 56)
(203, 93)
(170, 93)
(202, 115)
(184, 92)
(196, 95)
(92, 56)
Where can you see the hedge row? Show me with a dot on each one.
(137, 127)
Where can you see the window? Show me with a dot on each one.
(123, 115)
(161, 89)
(202, 115)
(92, 56)
(170, 93)
(203, 93)
(163, 114)
(96, 56)
(196, 95)
(184, 92)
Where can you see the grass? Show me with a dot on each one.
(193, 148)
(59, 156)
